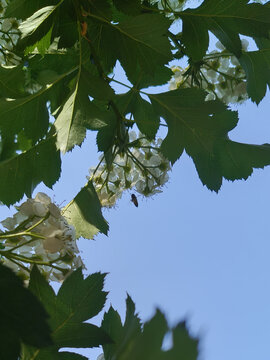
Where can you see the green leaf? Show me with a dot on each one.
(12, 82)
(184, 346)
(226, 19)
(52, 354)
(106, 137)
(86, 292)
(99, 8)
(41, 45)
(120, 334)
(22, 9)
(23, 318)
(238, 160)
(132, 341)
(21, 174)
(257, 68)
(78, 300)
(187, 115)
(64, 355)
(130, 7)
(28, 113)
(201, 129)
(78, 112)
(84, 213)
(142, 111)
(140, 44)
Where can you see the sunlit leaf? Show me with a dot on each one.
(84, 213)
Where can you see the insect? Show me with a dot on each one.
(134, 200)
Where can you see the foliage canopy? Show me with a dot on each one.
(57, 77)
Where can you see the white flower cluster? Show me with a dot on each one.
(220, 74)
(38, 233)
(9, 35)
(142, 167)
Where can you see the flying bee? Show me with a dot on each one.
(134, 200)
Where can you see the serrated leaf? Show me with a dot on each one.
(112, 324)
(257, 68)
(132, 341)
(77, 300)
(201, 129)
(120, 334)
(86, 292)
(185, 112)
(21, 174)
(238, 160)
(78, 112)
(139, 43)
(184, 346)
(84, 213)
(226, 19)
(23, 318)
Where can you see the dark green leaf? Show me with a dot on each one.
(26, 113)
(130, 7)
(121, 335)
(201, 129)
(226, 19)
(106, 137)
(12, 82)
(238, 160)
(64, 355)
(139, 43)
(257, 68)
(22, 9)
(51, 354)
(21, 174)
(81, 335)
(84, 213)
(87, 298)
(196, 126)
(99, 8)
(113, 326)
(184, 346)
(142, 111)
(78, 300)
(23, 318)
(132, 342)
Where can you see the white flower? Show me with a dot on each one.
(53, 238)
